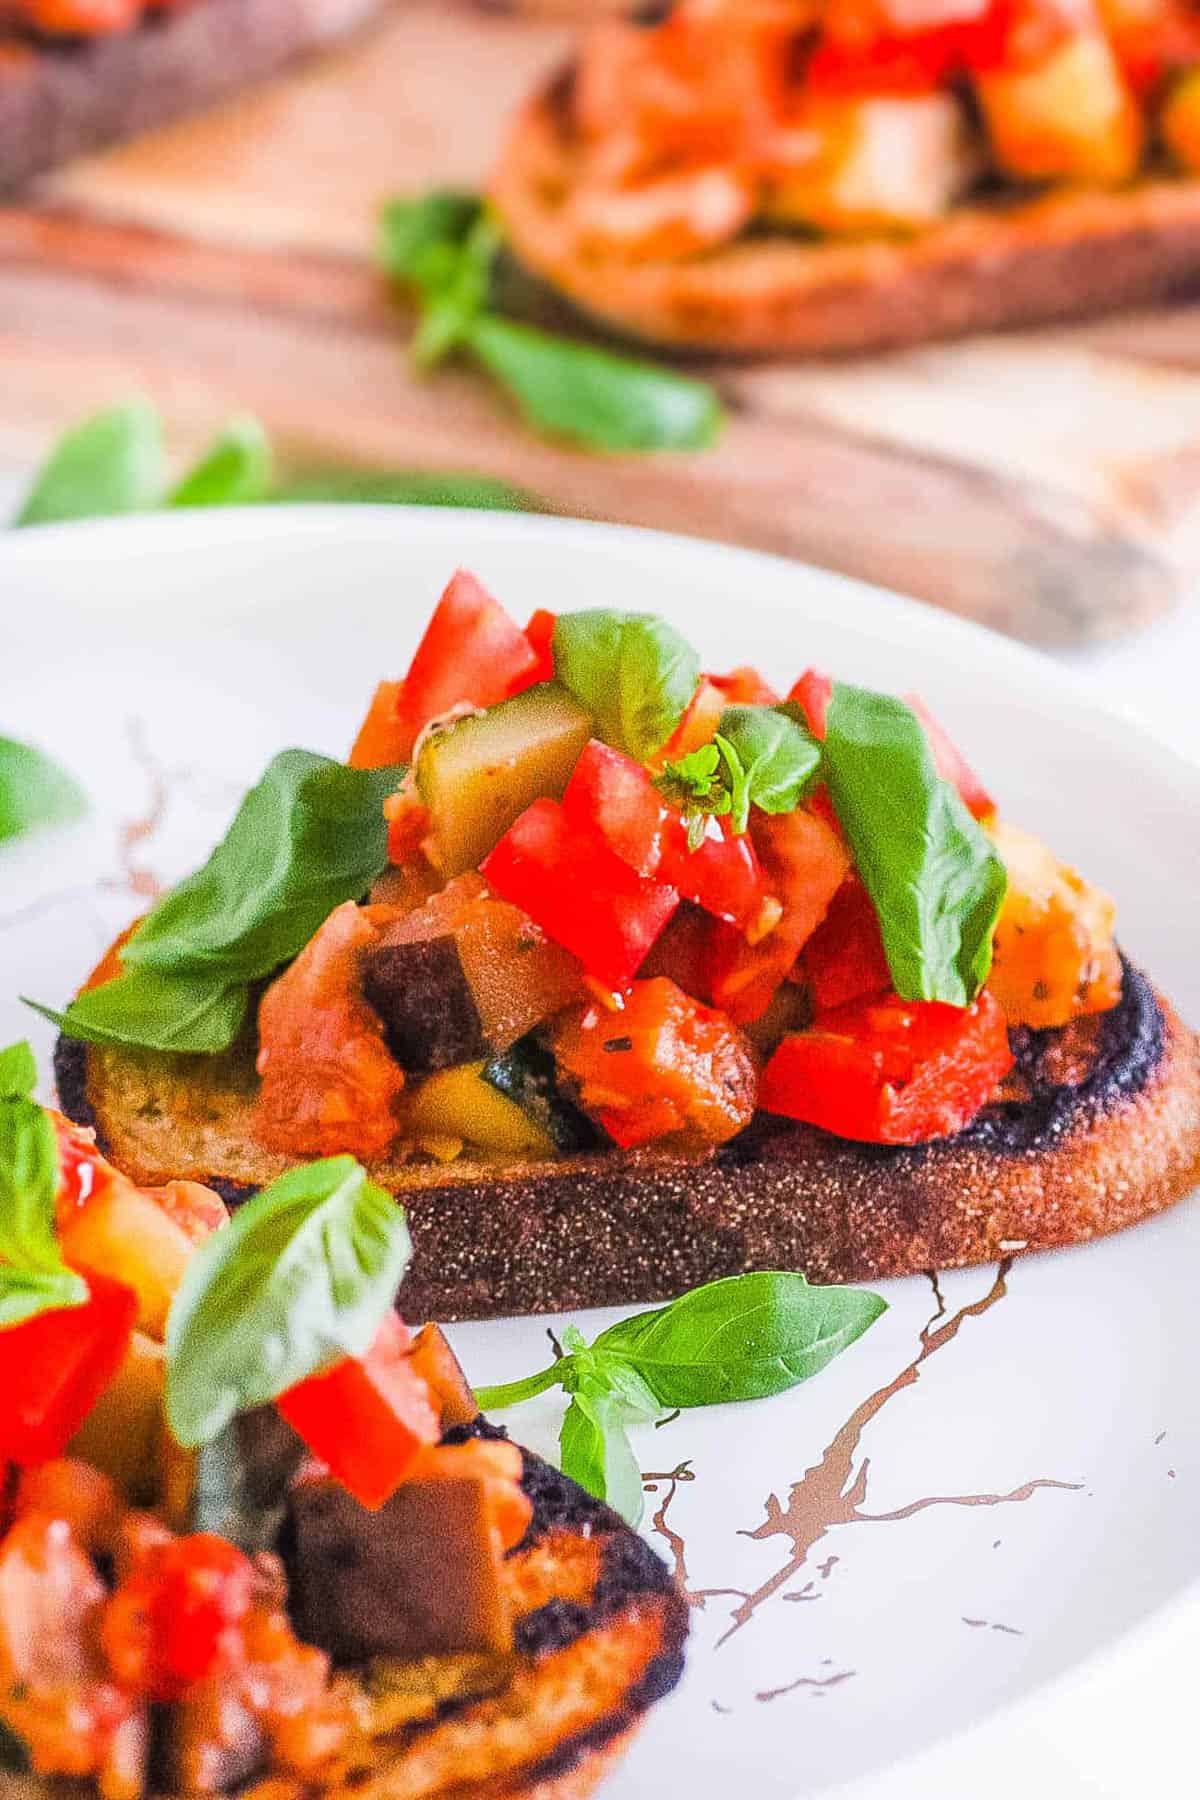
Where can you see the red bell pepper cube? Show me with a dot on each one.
(579, 891)
(891, 1071)
(611, 794)
(367, 1420)
(471, 651)
(844, 958)
(540, 632)
(54, 1368)
(951, 764)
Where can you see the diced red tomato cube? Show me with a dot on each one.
(891, 1071)
(55, 1366)
(664, 1064)
(951, 764)
(471, 652)
(367, 1420)
(844, 958)
(175, 1620)
(698, 725)
(581, 893)
(540, 632)
(812, 693)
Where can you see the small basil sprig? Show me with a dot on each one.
(633, 672)
(742, 1338)
(308, 836)
(111, 463)
(443, 245)
(933, 874)
(302, 1277)
(34, 791)
(708, 783)
(236, 469)
(33, 1275)
(762, 756)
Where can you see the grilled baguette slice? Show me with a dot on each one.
(59, 100)
(985, 266)
(600, 1631)
(1098, 1128)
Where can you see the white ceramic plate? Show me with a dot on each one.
(945, 1548)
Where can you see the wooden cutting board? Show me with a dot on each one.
(1046, 483)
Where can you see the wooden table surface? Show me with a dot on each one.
(1047, 483)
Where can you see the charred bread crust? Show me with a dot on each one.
(61, 98)
(988, 266)
(1065, 1162)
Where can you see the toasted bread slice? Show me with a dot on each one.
(599, 1637)
(1014, 260)
(1098, 1127)
(58, 99)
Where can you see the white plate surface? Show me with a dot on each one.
(944, 1601)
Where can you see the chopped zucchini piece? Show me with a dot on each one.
(459, 1103)
(528, 1076)
(478, 774)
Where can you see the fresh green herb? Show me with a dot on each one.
(308, 836)
(234, 471)
(34, 791)
(706, 783)
(18, 1072)
(743, 1338)
(302, 1277)
(33, 1276)
(112, 463)
(366, 487)
(633, 672)
(778, 754)
(444, 245)
(932, 872)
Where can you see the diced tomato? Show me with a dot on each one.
(55, 1366)
(472, 653)
(896, 46)
(744, 686)
(804, 863)
(329, 1083)
(367, 1420)
(698, 726)
(844, 958)
(580, 892)
(812, 693)
(540, 632)
(684, 951)
(950, 763)
(891, 1071)
(615, 796)
(82, 1171)
(408, 824)
(175, 1619)
(665, 1064)
(1055, 958)
(499, 1466)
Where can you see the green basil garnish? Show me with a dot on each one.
(934, 877)
(33, 1277)
(443, 245)
(199, 1014)
(632, 671)
(18, 1072)
(234, 471)
(34, 791)
(112, 463)
(742, 1338)
(302, 1277)
(778, 755)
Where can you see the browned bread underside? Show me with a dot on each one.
(600, 1631)
(61, 99)
(1076, 1154)
(1010, 261)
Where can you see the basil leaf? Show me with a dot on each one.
(933, 874)
(592, 397)
(308, 836)
(633, 672)
(112, 463)
(156, 1011)
(301, 1278)
(455, 301)
(34, 790)
(779, 759)
(28, 1187)
(420, 238)
(741, 1338)
(512, 1393)
(234, 471)
(595, 1452)
(18, 1072)
(367, 487)
(25, 1293)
